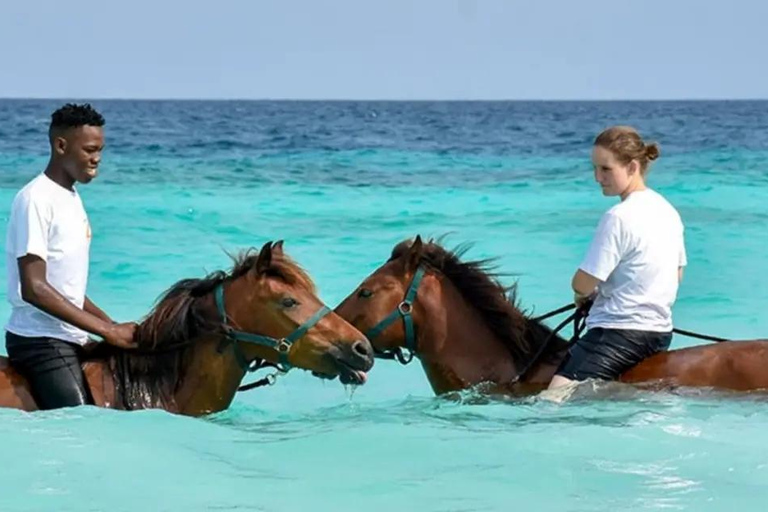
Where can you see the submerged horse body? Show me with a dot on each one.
(466, 330)
(201, 338)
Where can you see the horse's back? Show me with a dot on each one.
(734, 365)
(14, 389)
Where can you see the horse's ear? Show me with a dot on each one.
(264, 261)
(277, 249)
(413, 256)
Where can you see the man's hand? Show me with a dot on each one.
(121, 335)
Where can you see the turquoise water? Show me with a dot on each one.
(342, 183)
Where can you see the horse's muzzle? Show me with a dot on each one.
(353, 361)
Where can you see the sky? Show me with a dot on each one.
(385, 49)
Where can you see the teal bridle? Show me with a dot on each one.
(281, 345)
(404, 310)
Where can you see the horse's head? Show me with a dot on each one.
(275, 314)
(384, 306)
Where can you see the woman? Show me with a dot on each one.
(632, 269)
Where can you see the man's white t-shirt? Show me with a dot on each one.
(49, 221)
(636, 253)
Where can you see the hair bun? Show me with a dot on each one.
(652, 151)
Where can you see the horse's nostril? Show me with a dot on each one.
(362, 348)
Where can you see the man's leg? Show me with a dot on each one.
(52, 368)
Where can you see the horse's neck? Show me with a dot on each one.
(210, 380)
(213, 374)
(456, 348)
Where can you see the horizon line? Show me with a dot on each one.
(379, 100)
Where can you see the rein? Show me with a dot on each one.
(682, 332)
(579, 319)
(579, 323)
(705, 337)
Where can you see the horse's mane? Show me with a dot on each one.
(150, 376)
(478, 282)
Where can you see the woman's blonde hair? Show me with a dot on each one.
(627, 145)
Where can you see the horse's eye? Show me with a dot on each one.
(364, 293)
(288, 302)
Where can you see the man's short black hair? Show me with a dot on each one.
(73, 116)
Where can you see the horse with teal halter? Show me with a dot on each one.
(469, 332)
(266, 307)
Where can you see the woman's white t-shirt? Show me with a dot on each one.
(636, 253)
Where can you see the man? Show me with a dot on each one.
(47, 254)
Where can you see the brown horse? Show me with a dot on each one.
(456, 317)
(196, 345)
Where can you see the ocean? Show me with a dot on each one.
(183, 183)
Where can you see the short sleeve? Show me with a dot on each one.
(606, 249)
(683, 257)
(30, 224)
